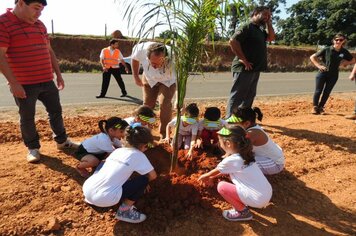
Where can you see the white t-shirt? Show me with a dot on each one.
(101, 143)
(252, 186)
(269, 150)
(104, 188)
(166, 76)
(184, 130)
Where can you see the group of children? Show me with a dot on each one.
(250, 154)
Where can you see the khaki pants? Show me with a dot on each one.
(164, 95)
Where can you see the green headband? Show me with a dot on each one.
(224, 132)
(234, 119)
(117, 126)
(189, 120)
(212, 124)
(147, 119)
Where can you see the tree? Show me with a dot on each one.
(317, 21)
(191, 21)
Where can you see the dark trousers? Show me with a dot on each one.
(106, 80)
(243, 91)
(48, 94)
(324, 84)
(134, 188)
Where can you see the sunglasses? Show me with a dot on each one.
(339, 40)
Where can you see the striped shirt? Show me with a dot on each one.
(27, 49)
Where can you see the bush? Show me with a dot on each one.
(82, 65)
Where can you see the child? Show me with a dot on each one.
(95, 149)
(269, 155)
(112, 183)
(143, 115)
(208, 128)
(188, 129)
(249, 186)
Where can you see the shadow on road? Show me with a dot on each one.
(128, 98)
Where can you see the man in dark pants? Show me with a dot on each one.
(28, 62)
(249, 45)
(110, 59)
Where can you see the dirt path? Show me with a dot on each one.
(315, 195)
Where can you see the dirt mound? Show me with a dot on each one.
(313, 196)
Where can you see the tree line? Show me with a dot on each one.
(309, 22)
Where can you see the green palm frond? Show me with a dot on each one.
(191, 21)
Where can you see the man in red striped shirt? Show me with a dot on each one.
(28, 62)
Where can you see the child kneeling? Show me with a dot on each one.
(249, 186)
(112, 183)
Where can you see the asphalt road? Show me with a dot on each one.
(83, 87)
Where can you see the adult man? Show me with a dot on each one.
(158, 79)
(28, 61)
(110, 59)
(249, 45)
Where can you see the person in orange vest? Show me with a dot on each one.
(110, 59)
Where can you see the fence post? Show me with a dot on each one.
(105, 30)
(52, 27)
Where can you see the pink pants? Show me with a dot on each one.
(229, 193)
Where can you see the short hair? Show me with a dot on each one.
(192, 110)
(212, 113)
(258, 10)
(43, 2)
(338, 35)
(113, 41)
(157, 49)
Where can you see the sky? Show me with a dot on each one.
(88, 17)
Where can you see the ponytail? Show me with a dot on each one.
(112, 123)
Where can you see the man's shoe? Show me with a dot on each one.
(351, 117)
(33, 155)
(123, 95)
(321, 111)
(315, 110)
(100, 96)
(67, 145)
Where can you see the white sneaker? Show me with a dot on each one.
(67, 145)
(33, 155)
(131, 216)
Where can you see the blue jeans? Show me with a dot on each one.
(48, 94)
(243, 91)
(324, 84)
(134, 188)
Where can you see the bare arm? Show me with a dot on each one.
(353, 73)
(124, 63)
(315, 61)
(271, 36)
(55, 66)
(135, 66)
(152, 175)
(16, 88)
(237, 50)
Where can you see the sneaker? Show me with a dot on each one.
(351, 117)
(315, 110)
(33, 155)
(130, 216)
(67, 145)
(234, 215)
(321, 111)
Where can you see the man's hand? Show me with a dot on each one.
(17, 90)
(138, 81)
(60, 83)
(248, 65)
(322, 68)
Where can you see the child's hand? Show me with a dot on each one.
(206, 180)
(199, 143)
(148, 189)
(165, 140)
(190, 154)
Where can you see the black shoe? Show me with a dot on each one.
(123, 95)
(100, 96)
